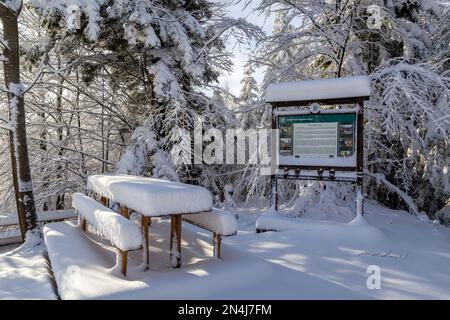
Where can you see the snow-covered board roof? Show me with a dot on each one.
(323, 89)
(152, 197)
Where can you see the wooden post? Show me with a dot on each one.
(83, 224)
(145, 222)
(360, 153)
(104, 201)
(124, 260)
(175, 241)
(217, 241)
(274, 193)
(20, 163)
(274, 163)
(124, 211)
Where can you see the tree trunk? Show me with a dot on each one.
(43, 147)
(60, 134)
(83, 170)
(20, 211)
(24, 191)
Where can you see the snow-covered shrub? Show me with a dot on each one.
(124, 81)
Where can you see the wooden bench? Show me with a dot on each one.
(221, 223)
(123, 234)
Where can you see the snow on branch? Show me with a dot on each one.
(13, 5)
(5, 45)
(6, 125)
(17, 89)
(414, 92)
(408, 124)
(3, 89)
(72, 150)
(380, 178)
(240, 29)
(65, 8)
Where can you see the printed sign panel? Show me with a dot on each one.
(317, 140)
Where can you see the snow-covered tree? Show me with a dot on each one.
(248, 108)
(158, 58)
(322, 39)
(408, 131)
(249, 86)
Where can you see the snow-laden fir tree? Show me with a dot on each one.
(248, 108)
(161, 55)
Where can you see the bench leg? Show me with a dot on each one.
(124, 261)
(146, 222)
(104, 201)
(124, 211)
(175, 241)
(83, 224)
(217, 241)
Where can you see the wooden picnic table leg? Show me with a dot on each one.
(175, 241)
(104, 201)
(146, 222)
(217, 242)
(124, 261)
(83, 224)
(124, 211)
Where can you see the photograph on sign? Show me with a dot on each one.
(326, 139)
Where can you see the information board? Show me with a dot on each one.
(325, 139)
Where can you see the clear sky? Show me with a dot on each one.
(241, 54)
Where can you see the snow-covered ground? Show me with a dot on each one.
(24, 274)
(413, 255)
(311, 259)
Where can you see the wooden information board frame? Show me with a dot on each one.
(352, 174)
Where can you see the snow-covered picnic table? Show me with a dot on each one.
(153, 198)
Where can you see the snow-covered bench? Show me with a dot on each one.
(219, 222)
(123, 234)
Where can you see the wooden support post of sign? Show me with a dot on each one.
(274, 194)
(146, 222)
(360, 155)
(274, 165)
(175, 241)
